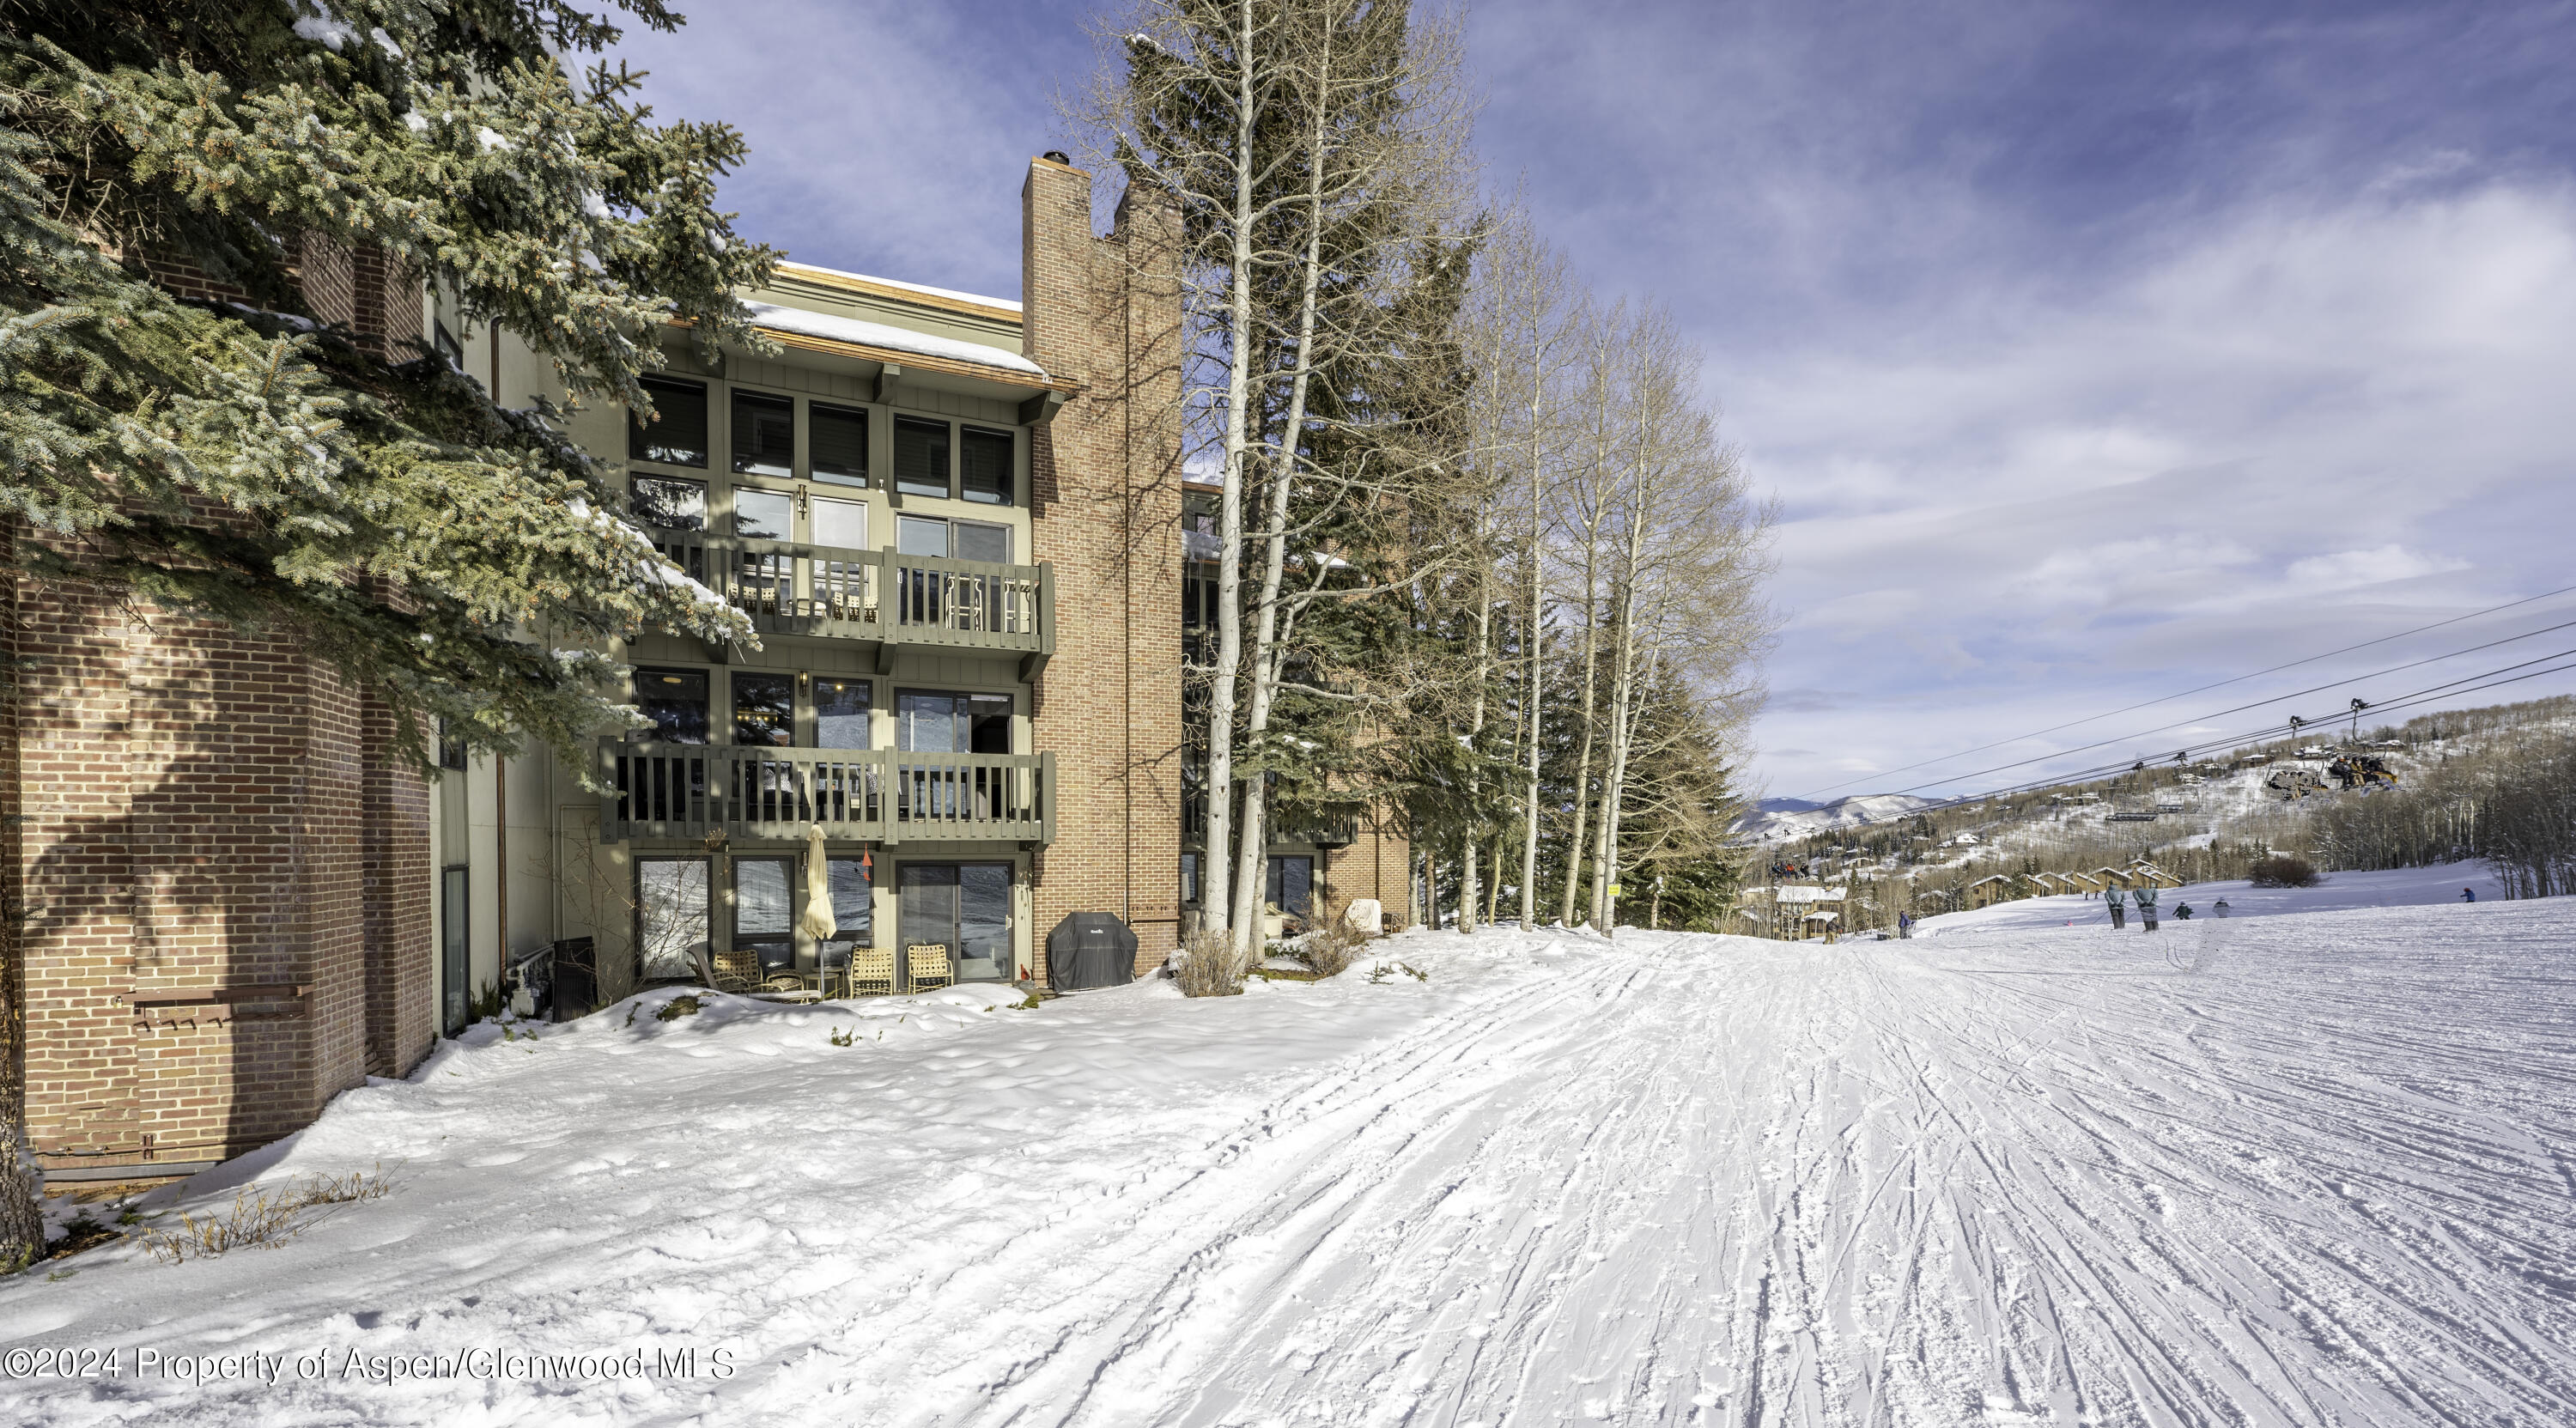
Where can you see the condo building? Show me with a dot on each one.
(960, 528)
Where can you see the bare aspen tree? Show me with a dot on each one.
(1200, 77)
(1590, 498)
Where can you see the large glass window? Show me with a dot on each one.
(668, 502)
(764, 434)
(839, 523)
(676, 701)
(930, 722)
(920, 457)
(973, 540)
(671, 916)
(677, 434)
(840, 441)
(763, 914)
(841, 713)
(984, 466)
(920, 535)
(853, 912)
(763, 515)
(764, 709)
(965, 540)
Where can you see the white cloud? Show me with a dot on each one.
(2189, 472)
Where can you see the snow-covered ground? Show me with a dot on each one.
(2313, 1167)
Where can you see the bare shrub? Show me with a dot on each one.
(1210, 967)
(1335, 940)
(267, 1217)
(2283, 871)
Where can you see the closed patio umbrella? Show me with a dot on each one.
(817, 921)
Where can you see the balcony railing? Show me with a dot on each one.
(879, 795)
(794, 589)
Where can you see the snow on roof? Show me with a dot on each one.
(1994, 878)
(877, 334)
(1004, 303)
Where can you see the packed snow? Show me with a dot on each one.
(2307, 1165)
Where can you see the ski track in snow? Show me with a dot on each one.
(2289, 1170)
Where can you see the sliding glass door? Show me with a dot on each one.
(962, 908)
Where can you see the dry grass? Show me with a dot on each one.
(267, 1217)
(1208, 967)
(1334, 943)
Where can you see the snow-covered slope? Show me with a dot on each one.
(2302, 1168)
(1795, 818)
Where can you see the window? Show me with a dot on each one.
(454, 974)
(677, 434)
(984, 467)
(1292, 883)
(668, 502)
(763, 515)
(764, 709)
(964, 540)
(451, 749)
(962, 908)
(1198, 598)
(839, 523)
(973, 540)
(920, 457)
(853, 911)
(841, 713)
(840, 444)
(1190, 878)
(676, 701)
(932, 722)
(764, 434)
(763, 915)
(671, 921)
(450, 351)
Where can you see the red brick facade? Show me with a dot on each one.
(221, 884)
(1106, 312)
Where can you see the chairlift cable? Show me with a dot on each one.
(2290, 726)
(2159, 699)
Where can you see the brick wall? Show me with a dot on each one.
(1106, 312)
(225, 884)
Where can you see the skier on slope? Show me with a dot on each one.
(2147, 906)
(2119, 906)
(2468, 894)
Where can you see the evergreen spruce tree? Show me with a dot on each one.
(458, 560)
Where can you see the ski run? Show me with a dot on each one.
(2313, 1164)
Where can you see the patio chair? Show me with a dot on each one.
(871, 972)
(928, 965)
(736, 971)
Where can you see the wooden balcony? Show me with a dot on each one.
(876, 595)
(692, 791)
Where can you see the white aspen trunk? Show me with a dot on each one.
(1467, 869)
(1268, 653)
(1591, 695)
(1214, 901)
(1630, 578)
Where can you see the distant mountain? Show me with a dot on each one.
(1796, 818)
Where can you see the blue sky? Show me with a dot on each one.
(2093, 351)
